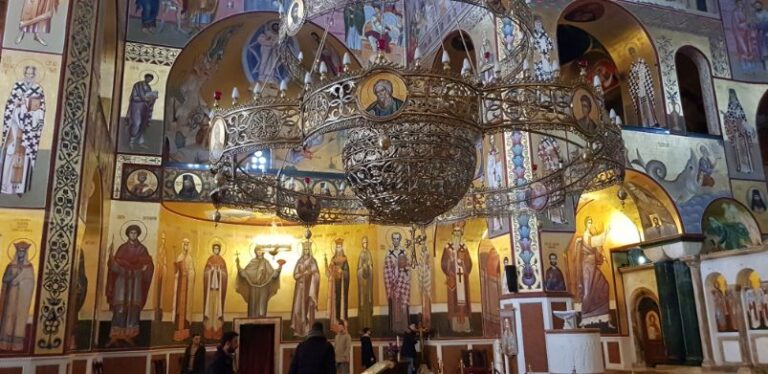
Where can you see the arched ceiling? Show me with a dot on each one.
(228, 73)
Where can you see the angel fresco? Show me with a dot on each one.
(187, 121)
(383, 23)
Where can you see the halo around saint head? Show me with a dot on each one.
(127, 224)
(31, 251)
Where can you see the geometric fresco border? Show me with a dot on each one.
(150, 54)
(62, 218)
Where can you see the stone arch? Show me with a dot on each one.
(694, 76)
(608, 23)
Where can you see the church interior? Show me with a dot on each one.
(539, 186)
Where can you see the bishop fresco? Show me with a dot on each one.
(457, 264)
(397, 281)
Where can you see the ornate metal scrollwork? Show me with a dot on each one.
(410, 154)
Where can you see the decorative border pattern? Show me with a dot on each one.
(65, 192)
(150, 54)
(525, 235)
(130, 159)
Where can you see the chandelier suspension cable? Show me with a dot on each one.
(321, 45)
(442, 42)
(464, 43)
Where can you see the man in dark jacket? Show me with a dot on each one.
(408, 350)
(366, 349)
(222, 361)
(315, 355)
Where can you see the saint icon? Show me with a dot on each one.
(383, 95)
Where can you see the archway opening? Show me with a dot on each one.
(753, 295)
(613, 45)
(762, 128)
(650, 331)
(696, 92)
(459, 46)
(690, 94)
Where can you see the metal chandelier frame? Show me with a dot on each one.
(416, 165)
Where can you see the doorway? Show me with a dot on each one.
(258, 346)
(652, 336)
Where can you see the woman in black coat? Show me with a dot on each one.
(193, 361)
(366, 349)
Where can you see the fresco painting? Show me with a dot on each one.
(745, 23)
(34, 25)
(143, 105)
(693, 181)
(737, 105)
(728, 225)
(753, 195)
(30, 106)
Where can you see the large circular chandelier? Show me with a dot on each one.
(409, 156)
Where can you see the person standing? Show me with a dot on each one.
(368, 358)
(223, 360)
(343, 345)
(315, 355)
(193, 361)
(408, 350)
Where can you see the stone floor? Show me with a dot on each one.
(686, 370)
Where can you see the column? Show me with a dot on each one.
(694, 264)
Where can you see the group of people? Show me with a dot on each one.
(314, 355)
